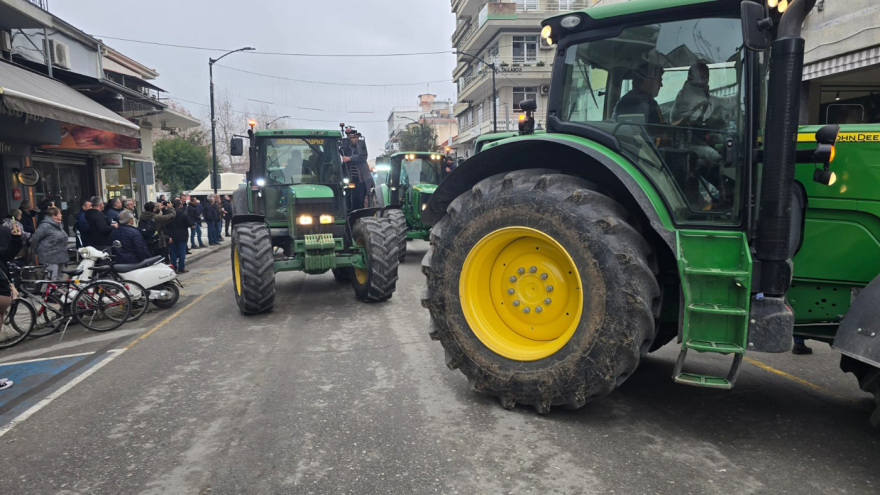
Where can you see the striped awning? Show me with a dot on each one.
(842, 63)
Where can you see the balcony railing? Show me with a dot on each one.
(43, 4)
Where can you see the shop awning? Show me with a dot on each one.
(842, 63)
(29, 92)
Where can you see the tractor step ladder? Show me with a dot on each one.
(716, 273)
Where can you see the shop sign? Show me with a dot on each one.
(16, 149)
(77, 137)
(113, 160)
(29, 176)
(28, 130)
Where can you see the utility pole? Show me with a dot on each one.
(215, 179)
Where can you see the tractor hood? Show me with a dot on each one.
(311, 191)
(425, 188)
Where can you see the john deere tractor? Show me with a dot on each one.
(295, 213)
(660, 204)
(412, 179)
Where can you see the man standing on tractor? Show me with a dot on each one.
(354, 155)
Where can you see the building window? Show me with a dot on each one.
(525, 49)
(567, 5)
(526, 5)
(480, 114)
(492, 54)
(520, 94)
(470, 118)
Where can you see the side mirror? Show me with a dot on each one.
(528, 105)
(236, 147)
(755, 26)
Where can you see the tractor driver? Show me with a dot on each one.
(355, 157)
(693, 107)
(639, 101)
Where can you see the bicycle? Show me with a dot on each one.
(17, 324)
(99, 305)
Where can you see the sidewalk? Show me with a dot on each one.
(198, 254)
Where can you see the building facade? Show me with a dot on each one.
(437, 114)
(75, 115)
(501, 38)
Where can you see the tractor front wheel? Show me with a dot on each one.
(539, 290)
(378, 280)
(399, 220)
(253, 276)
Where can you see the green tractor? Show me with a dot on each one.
(409, 184)
(295, 213)
(663, 202)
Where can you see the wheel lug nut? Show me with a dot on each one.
(513, 278)
(539, 309)
(543, 276)
(510, 291)
(547, 300)
(516, 303)
(520, 270)
(533, 269)
(549, 288)
(526, 310)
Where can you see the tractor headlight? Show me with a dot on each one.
(326, 219)
(305, 220)
(424, 205)
(260, 182)
(546, 32)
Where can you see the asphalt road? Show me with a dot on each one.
(329, 395)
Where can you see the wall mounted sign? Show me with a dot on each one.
(77, 137)
(113, 160)
(29, 176)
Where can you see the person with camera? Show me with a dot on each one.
(158, 215)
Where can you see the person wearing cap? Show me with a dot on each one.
(694, 107)
(647, 81)
(354, 155)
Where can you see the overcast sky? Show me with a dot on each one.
(291, 26)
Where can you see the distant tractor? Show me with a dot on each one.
(409, 184)
(667, 200)
(295, 214)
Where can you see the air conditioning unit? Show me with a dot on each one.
(544, 45)
(5, 41)
(59, 54)
(545, 89)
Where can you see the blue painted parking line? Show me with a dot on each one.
(30, 376)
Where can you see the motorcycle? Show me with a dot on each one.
(158, 280)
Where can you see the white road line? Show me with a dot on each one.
(58, 393)
(46, 359)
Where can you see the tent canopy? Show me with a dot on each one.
(229, 182)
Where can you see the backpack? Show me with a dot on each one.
(148, 231)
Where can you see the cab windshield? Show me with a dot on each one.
(420, 170)
(301, 160)
(673, 96)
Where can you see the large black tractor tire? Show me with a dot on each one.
(399, 221)
(869, 381)
(539, 290)
(378, 280)
(253, 276)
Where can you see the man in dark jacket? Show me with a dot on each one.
(81, 225)
(194, 210)
(28, 217)
(178, 231)
(160, 215)
(100, 227)
(355, 158)
(227, 215)
(113, 209)
(134, 246)
(211, 218)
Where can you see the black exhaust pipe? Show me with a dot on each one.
(780, 149)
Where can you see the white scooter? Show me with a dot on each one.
(159, 279)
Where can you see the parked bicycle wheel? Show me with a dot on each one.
(140, 298)
(102, 306)
(17, 324)
(50, 315)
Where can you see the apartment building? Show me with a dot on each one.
(437, 114)
(504, 36)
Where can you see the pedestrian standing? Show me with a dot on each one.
(81, 226)
(10, 244)
(219, 229)
(178, 231)
(50, 243)
(28, 217)
(194, 211)
(128, 204)
(133, 247)
(113, 209)
(159, 215)
(227, 215)
(100, 227)
(210, 214)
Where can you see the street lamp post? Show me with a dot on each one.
(276, 120)
(494, 97)
(215, 179)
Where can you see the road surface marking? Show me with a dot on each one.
(46, 359)
(85, 374)
(801, 381)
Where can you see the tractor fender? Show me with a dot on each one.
(366, 212)
(858, 335)
(572, 155)
(237, 219)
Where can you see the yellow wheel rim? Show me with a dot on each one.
(521, 293)
(236, 270)
(359, 273)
